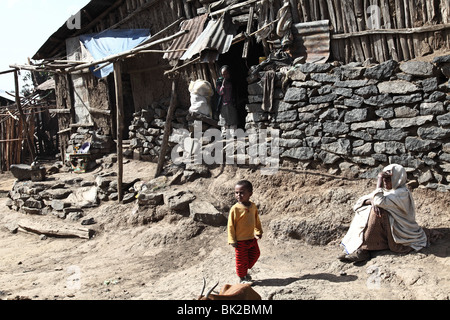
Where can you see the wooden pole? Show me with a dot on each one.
(399, 31)
(294, 11)
(1, 149)
(249, 29)
(22, 116)
(7, 71)
(119, 119)
(167, 129)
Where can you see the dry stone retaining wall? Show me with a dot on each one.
(357, 118)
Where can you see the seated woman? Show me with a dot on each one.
(384, 219)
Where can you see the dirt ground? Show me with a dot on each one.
(156, 254)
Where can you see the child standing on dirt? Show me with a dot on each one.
(244, 229)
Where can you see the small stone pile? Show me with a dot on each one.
(107, 188)
(180, 201)
(68, 198)
(147, 130)
(65, 199)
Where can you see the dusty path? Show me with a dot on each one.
(128, 259)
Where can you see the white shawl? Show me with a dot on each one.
(399, 202)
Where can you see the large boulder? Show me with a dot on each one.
(84, 197)
(418, 68)
(178, 200)
(205, 212)
(25, 172)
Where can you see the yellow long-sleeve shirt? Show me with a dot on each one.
(243, 223)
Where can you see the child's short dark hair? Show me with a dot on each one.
(246, 184)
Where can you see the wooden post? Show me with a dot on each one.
(249, 30)
(22, 116)
(1, 151)
(119, 119)
(294, 11)
(167, 129)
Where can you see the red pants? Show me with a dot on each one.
(247, 253)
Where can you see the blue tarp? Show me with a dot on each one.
(111, 42)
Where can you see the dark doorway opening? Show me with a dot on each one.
(239, 72)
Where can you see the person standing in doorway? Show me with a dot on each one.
(226, 106)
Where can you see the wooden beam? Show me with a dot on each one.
(8, 71)
(58, 111)
(52, 230)
(119, 119)
(99, 111)
(163, 51)
(11, 140)
(432, 28)
(248, 31)
(65, 131)
(166, 73)
(32, 68)
(68, 61)
(80, 125)
(167, 129)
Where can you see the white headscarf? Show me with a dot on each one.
(398, 175)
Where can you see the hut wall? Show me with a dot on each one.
(381, 29)
(64, 102)
(360, 29)
(81, 97)
(10, 141)
(146, 71)
(98, 93)
(91, 101)
(359, 119)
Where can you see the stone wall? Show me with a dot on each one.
(147, 129)
(354, 118)
(360, 118)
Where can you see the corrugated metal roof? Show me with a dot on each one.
(217, 36)
(195, 27)
(312, 40)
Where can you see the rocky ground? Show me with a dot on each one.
(154, 253)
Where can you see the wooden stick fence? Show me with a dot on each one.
(378, 29)
(13, 145)
(381, 29)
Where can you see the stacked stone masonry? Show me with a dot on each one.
(147, 130)
(357, 118)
